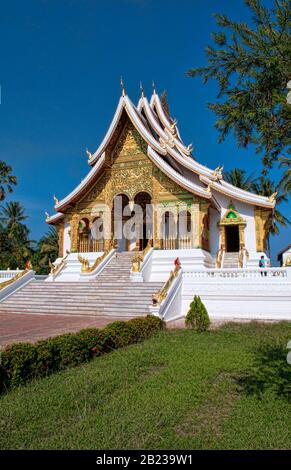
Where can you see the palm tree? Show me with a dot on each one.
(11, 216)
(238, 178)
(6, 179)
(267, 187)
(48, 249)
(285, 183)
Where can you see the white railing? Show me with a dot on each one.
(230, 273)
(8, 274)
(14, 282)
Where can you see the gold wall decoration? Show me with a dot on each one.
(74, 232)
(60, 231)
(261, 217)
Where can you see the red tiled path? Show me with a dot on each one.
(31, 328)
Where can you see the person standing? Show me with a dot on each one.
(262, 264)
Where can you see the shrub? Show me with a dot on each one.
(197, 316)
(19, 363)
(22, 362)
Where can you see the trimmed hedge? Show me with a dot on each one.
(23, 362)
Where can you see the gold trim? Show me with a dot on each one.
(159, 296)
(55, 269)
(13, 279)
(86, 268)
(138, 258)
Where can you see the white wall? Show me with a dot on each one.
(67, 239)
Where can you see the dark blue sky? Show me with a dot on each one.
(61, 62)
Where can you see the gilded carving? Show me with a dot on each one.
(60, 232)
(261, 217)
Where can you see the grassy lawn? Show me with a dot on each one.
(177, 390)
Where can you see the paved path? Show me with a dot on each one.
(31, 328)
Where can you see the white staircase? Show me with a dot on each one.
(230, 260)
(111, 293)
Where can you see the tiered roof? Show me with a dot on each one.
(166, 150)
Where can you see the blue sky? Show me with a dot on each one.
(61, 62)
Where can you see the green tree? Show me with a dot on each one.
(15, 246)
(197, 316)
(285, 183)
(47, 250)
(267, 187)
(238, 178)
(12, 216)
(7, 180)
(251, 64)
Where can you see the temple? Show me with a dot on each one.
(149, 228)
(144, 160)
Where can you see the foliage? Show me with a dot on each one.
(251, 64)
(270, 371)
(15, 246)
(22, 362)
(238, 178)
(266, 187)
(47, 250)
(7, 180)
(197, 316)
(285, 183)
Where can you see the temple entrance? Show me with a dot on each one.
(232, 238)
(118, 219)
(145, 231)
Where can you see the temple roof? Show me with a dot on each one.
(166, 150)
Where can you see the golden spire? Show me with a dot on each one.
(272, 198)
(141, 89)
(55, 199)
(122, 86)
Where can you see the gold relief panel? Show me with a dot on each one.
(129, 145)
(60, 232)
(132, 180)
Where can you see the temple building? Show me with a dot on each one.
(143, 160)
(149, 228)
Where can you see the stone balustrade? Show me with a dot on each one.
(8, 274)
(253, 273)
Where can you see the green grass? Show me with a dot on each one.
(178, 390)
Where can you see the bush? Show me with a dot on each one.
(23, 362)
(197, 316)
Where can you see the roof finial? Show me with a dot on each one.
(89, 154)
(122, 86)
(56, 199)
(47, 215)
(154, 87)
(141, 88)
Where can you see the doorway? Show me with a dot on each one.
(232, 238)
(145, 234)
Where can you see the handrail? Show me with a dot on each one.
(86, 268)
(242, 256)
(55, 269)
(17, 276)
(138, 259)
(219, 257)
(160, 296)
